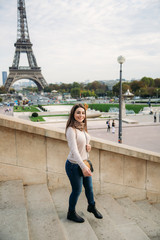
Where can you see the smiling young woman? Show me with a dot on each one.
(78, 142)
(79, 114)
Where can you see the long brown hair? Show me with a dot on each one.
(71, 119)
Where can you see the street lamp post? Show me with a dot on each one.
(120, 60)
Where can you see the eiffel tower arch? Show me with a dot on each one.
(23, 45)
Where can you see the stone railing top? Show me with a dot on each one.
(47, 131)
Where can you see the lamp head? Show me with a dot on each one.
(121, 59)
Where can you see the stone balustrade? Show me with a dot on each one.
(37, 154)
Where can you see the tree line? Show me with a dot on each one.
(146, 87)
(77, 90)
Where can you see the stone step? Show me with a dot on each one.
(105, 229)
(13, 215)
(140, 217)
(128, 228)
(115, 211)
(132, 232)
(43, 220)
(73, 230)
(150, 210)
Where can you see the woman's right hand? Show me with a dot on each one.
(86, 172)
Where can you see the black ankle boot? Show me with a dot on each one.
(92, 209)
(73, 216)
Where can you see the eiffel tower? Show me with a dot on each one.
(23, 45)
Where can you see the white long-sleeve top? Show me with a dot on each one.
(77, 141)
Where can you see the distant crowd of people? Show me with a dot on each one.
(6, 110)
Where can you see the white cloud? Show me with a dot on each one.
(75, 40)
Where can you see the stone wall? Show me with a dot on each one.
(37, 154)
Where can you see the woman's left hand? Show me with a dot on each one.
(88, 147)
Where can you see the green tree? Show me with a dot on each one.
(12, 90)
(144, 92)
(75, 85)
(84, 93)
(47, 89)
(31, 89)
(63, 87)
(87, 93)
(75, 92)
(151, 91)
(96, 85)
(109, 94)
(157, 82)
(100, 92)
(125, 87)
(115, 89)
(54, 86)
(2, 90)
(136, 85)
(147, 82)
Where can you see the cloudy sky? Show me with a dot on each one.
(78, 40)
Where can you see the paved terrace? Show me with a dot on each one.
(144, 134)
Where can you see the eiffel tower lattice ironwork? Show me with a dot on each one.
(23, 45)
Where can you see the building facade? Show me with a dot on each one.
(4, 77)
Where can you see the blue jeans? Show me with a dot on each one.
(76, 182)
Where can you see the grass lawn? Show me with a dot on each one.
(37, 119)
(41, 118)
(25, 109)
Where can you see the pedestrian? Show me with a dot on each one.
(108, 125)
(149, 104)
(155, 118)
(113, 127)
(78, 142)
